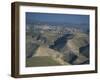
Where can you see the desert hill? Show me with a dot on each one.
(56, 45)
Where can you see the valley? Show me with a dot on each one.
(51, 45)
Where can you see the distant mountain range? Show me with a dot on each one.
(82, 26)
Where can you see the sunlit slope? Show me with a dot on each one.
(73, 49)
(74, 44)
(55, 55)
(46, 57)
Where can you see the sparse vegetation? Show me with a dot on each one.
(64, 43)
(41, 61)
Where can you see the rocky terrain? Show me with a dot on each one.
(64, 45)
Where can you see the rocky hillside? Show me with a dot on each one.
(73, 47)
(55, 55)
(65, 45)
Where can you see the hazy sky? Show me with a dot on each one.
(56, 18)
